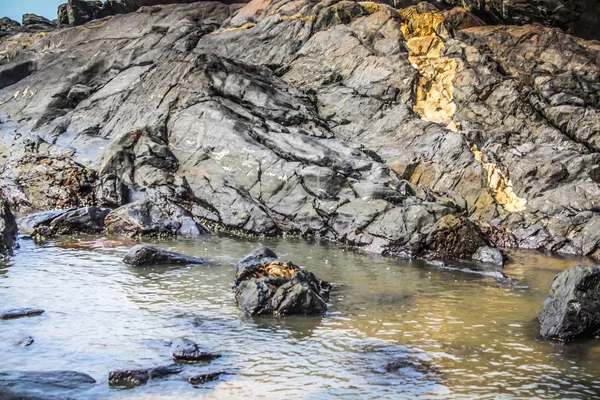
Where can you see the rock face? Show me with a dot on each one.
(273, 286)
(572, 311)
(32, 19)
(185, 350)
(131, 378)
(8, 229)
(144, 255)
(34, 385)
(410, 133)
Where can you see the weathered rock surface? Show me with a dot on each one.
(411, 133)
(144, 255)
(8, 229)
(42, 385)
(32, 19)
(273, 286)
(82, 220)
(141, 218)
(187, 351)
(489, 255)
(130, 378)
(572, 310)
(20, 313)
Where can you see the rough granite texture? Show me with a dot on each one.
(412, 132)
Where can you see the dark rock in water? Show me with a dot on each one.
(29, 223)
(185, 350)
(32, 19)
(44, 385)
(130, 378)
(25, 342)
(8, 229)
(141, 218)
(20, 312)
(273, 286)
(82, 220)
(143, 255)
(202, 379)
(489, 255)
(422, 366)
(572, 311)
(257, 254)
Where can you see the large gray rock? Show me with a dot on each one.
(572, 310)
(8, 229)
(144, 255)
(277, 287)
(141, 218)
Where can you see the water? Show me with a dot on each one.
(458, 335)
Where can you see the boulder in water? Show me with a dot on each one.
(144, 255)
(572, 311)
(130, 378)
(489, 255)
(36, 385)
(185, 350)
(204, 378)
(141, 218)
(20, 312)
(8, 229)
(272, 286)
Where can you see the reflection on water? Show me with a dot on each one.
(451, 334)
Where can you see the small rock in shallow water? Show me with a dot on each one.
(273, 286)
(20, 312)
(185, 350)
(142, 255)
(489, 255)
(572, 311)
(28, 341)
(130, 378)
(202, 379)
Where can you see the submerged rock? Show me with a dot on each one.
(572, 310)
(20, 313)
(44, 385)
(141, 218)
(185, 350)
(130, 378)
(26, 342)
(489, 255)
(8, 229)
(144, 255)
(273, 286)
(204, 378)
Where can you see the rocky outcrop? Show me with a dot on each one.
(416, 132)
(187, 351)
(32, 19)
(130, 378)
(20, 313)
(572, 310)
(47, 385)
(144, 255)
(273, 286)
(8, 229)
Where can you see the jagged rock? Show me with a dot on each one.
(205, 378)
(8, 26)
(32, 19)
(29, 223)
(572, 310)
(38, 385)
(81, 220)
(141, 218)
(185, 350)
(258, 254)
(20, 313)
(489, 255)
(144, 255)
(8, 229)
(130, 378)
(497, 142)
(272, 286)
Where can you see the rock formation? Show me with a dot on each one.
(572, 310)
(144, 255)
(413, 133)
(267, 285)
(8, 229)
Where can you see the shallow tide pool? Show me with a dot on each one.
(452, 334)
